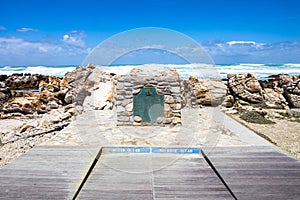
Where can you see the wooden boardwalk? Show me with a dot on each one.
(257, 172)
(153, 176)
(56, 172)
(46, 172)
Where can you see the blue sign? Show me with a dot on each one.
(153, 150)
(176, 150)
(128, 149)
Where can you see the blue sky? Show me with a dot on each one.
(57, 32)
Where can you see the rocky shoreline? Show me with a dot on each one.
(34, 107)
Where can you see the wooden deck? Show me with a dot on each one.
(56, 172)
(153, 176)
(257, 172)
(46, 172)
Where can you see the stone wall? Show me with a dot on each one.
(166, 82)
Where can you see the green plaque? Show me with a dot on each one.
(148, 105)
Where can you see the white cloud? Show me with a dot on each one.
(74, 38)
(241, 42)
(26, 29)
(154, 46)
(251, 51)
(2, 28)
(18, 51)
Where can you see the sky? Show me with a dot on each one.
(58, 32)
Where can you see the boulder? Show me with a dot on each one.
(15, 109)
(293, 100)
(274, 99)
(70, 97)
(137, 119)
(245, 87)
(24, 81)
(53, 105)
(292, 92)
(52, 85)
(5, 95)
(3, 77)
(228, 101)
(204, 91)
(295, 112)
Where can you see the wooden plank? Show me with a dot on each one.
(153, 176)
(257, 172)
(46, 172)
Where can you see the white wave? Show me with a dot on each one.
(292, 65)
(11, 68)
(54, 71)
(185, 70)
(210, 70)
(251, 64)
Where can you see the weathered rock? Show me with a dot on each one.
(245, 87)
(70, 97)
(293, 99)
(176, 120)
(274, 99)
(228, 101)
(293, 112)
(2, 85)
(24, 111)
(292, 91)
(169, 99)
(61, 95)
(3, 77)
(286, 85)
(5, 95)
(137, 119)
(24, 81)
(41, 111)
(53, 105)
(206, 91)
(26, 127)
(65, 116)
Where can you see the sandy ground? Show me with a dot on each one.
(284, 133)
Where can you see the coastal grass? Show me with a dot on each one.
(254, 117)
(295, 118)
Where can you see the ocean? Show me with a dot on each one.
(262, 71)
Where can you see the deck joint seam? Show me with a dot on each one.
(87, 174)
(218, 174)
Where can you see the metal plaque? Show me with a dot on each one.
(148, 105)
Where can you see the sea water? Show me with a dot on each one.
(262, 71)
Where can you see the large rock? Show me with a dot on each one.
(293, 99)
(292, 92)
(228, 101)
(274, 98)
(245, 87)
(3, 77)
(100, 97)
(81, 83)
(24, 81)
(5, 95)
(204, 91)
(279, 91)
(52, 85)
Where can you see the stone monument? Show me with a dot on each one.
(149, 96)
